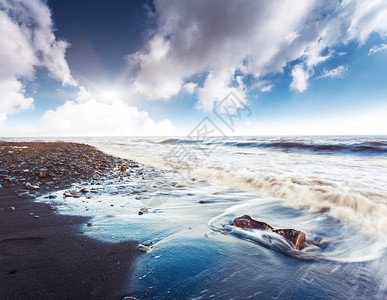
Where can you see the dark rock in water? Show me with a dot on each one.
(248, 222)
(296, 237)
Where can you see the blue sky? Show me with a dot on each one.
(77, 67)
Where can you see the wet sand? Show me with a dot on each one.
(44, 255)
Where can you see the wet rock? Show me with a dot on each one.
(24, 194)
(123, 169)
(83, 191)
(43, 173)
(143, 248)
(10, 208)
(205, 201)
(129, 298)
(74, 193)
(32, 186)
(1, 186)
(296, 237)
(248, 222)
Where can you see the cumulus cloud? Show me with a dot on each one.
(27, 41)
(376, 49)
(190, 87)
(87, 116)
(300, 79)
(219, 39)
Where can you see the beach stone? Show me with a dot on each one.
(24, 194)
(43, 173)
(296, 237)
(143, 248)
(248, 222)
(32, 186)
(129, 298)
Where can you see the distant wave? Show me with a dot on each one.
(366, 148)
(373, 148)
(178, 141)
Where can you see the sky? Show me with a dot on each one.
(148, 68)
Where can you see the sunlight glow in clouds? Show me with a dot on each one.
(27, 41)
(87, 116)
(220, 38)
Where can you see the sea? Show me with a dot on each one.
(181, 208)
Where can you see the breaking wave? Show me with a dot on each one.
(364, 208)
(325, 240)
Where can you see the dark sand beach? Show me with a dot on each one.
(44, 255)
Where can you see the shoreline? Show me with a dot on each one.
(44, 255)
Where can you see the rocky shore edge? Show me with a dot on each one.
(44, 255)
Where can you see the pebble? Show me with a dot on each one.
(10, 208)
(32, 186)
(143, 248)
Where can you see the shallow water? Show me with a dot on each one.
(338, 199)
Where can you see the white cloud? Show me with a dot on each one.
(335, 73)
(376, 49)
(218, 39)
(190, 87)
(27, 41)
(266, 88)
(12, 99)
(87, 116)
(300, 79)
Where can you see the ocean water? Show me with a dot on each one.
(332, 188)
